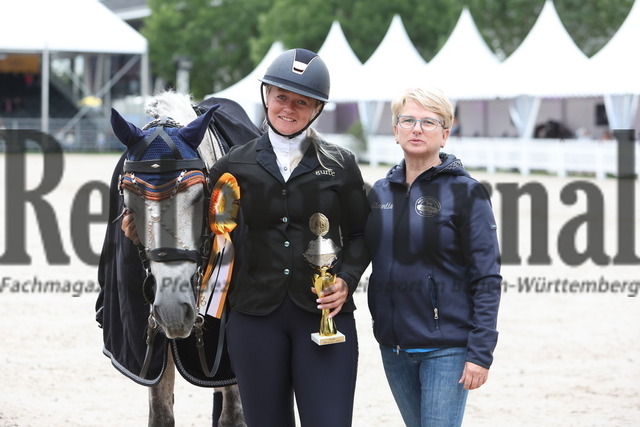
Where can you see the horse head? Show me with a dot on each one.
(164, 185)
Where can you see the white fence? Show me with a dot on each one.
(553, 156)
(558, 157)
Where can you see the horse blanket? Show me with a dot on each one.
(121, 309)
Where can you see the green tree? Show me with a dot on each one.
(364, 23)
(214, 35)
(428, 24)
(295, 24)
(505, 23)
(225, 39)
(592, 23)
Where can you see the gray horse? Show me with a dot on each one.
(164, 184)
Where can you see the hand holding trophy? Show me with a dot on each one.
(322, 253)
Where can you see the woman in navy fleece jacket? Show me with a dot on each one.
(434, 290)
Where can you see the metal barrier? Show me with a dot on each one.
(87, 135)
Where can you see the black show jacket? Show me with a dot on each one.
(274, 228)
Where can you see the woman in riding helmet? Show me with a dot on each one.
(288, 177)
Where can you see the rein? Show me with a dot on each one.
(192, 172)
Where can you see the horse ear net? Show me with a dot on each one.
(194, 132)
(125, 131)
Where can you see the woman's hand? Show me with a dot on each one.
(129, 228)
(333, 297)
(473, 376)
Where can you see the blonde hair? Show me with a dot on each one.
(432, 99)
(329, 151)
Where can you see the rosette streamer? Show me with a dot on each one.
(223, 211)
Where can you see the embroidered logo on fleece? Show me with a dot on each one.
(327, 172)
(378, 205)
(427, 206)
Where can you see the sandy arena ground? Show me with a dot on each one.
(563, 359)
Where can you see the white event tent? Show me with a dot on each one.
(344, 66)
(615, 71)
(467, 71)
(465, 68)
(395, 64)
(547, 63)
(547, 70)
(346, 82)
(70, 27)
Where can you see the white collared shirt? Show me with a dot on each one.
(289, 152)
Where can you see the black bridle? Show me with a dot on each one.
(177, 163)
(167, 254)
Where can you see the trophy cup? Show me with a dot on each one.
(322, 254)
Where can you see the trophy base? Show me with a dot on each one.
(327, 339)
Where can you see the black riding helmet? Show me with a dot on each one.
(300, 71)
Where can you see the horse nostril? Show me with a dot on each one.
(190, 314)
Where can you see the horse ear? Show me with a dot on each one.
(126, 132)
(194, 131)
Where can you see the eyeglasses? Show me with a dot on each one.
(427, 125)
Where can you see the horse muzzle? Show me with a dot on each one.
(176, 322)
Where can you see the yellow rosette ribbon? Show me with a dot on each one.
(225, 201)
(223, 211)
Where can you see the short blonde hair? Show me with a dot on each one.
(431, 99)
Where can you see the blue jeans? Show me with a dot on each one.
(425, 385)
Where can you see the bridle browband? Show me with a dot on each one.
(164, 165)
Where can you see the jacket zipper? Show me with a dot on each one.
(404, 208)
(434, 292)
(434, 301)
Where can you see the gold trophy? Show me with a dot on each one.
(322, 253)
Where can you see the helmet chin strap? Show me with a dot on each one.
(266, 115)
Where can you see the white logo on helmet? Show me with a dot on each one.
(299, 67)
